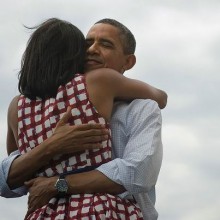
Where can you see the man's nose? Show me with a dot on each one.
(93, 48)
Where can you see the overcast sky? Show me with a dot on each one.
(178, 50)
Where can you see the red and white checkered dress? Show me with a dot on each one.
(36, 121)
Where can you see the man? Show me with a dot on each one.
(136, 132)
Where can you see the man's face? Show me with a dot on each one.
(104, 48)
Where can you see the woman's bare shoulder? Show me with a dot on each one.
(14, 102)
(12, 109)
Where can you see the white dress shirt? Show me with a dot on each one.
(137, 149)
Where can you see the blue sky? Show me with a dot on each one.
(178, 50)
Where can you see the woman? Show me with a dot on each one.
(49, 82)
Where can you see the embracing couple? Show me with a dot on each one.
(83, 140)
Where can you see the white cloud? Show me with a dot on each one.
(187, 184)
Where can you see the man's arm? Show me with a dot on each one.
(42, 189)
(5, 165)
(66, 139)
(12, 168)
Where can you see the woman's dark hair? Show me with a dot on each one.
(55, 53)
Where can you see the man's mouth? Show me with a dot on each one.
(92, 61)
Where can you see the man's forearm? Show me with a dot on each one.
(92, 182)
(66, 139)
(42, 189)
(5, 191)
(25, 166)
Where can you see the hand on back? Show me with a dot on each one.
(74, 138)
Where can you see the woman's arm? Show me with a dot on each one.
(112, 83)
(12, 135)
(126, 88)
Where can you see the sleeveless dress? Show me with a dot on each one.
(36, 121)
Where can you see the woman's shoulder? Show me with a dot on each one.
(14, 102)
(12, 109)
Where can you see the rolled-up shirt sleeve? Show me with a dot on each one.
(5, 165)
(137, 164)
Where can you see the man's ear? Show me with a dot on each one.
(130, 61)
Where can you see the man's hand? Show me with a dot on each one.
(70, 139)
(41, 190)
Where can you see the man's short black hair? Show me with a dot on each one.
(128, 40)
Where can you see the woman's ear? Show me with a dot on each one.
(130, 62)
